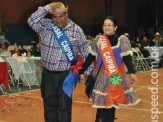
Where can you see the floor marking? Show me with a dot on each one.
(136, 89)
(83, 102)
(150, 102)
(140, 109)
(90, 103)
(18, 92)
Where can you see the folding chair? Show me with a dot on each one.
(15, 69)
(1, 85)
(11, 75)
(145, 63)
(139, 60)
(35, 64)
(27, 73)
(21, 70)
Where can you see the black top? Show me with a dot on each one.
(113, 41)
(36, 52)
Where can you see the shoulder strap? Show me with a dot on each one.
(98, 70)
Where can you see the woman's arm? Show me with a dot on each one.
(90, 58)
(128, 62)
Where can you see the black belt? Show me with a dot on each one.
(55, 72)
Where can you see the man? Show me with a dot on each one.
(61, 40)
(127, 35)
(157, 39)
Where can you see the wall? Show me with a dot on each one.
(86, 13)
(17, 11)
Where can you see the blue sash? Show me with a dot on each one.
(65, 45)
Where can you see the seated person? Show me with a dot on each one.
(29, 54)
(136, 42)
(144, 43)
(22, 50)
(157, 39)
(127, 35)
(16, 50)
(36, 50)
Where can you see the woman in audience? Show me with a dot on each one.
(36, 50)
(16, 50)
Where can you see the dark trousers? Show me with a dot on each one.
(57, 105)
(105, 115)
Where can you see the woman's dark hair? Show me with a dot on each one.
(113, 19)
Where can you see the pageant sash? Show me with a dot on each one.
(115, 91)
(64, 43)
(109, 60)
(72, 78)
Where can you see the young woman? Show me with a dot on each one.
(112, 88)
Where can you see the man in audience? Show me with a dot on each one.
(144, 43)
(157, 39)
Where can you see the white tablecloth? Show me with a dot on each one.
(154, 50)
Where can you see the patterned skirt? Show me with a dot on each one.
(99, 94)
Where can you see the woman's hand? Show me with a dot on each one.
(83, 77)
(134, 79)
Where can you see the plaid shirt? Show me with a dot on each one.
(52, 56)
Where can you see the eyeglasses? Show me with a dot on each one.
(108, 25)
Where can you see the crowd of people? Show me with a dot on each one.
(155, 40)
(19, 50)
(144, 41)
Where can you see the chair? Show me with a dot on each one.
(11, 75)
(21, 70)
(15, 68)
(35, 64)
(28, 73)
(139, 60)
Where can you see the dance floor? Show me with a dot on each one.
(27, 106)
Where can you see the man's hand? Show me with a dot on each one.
(53, 6)
(56, 5)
